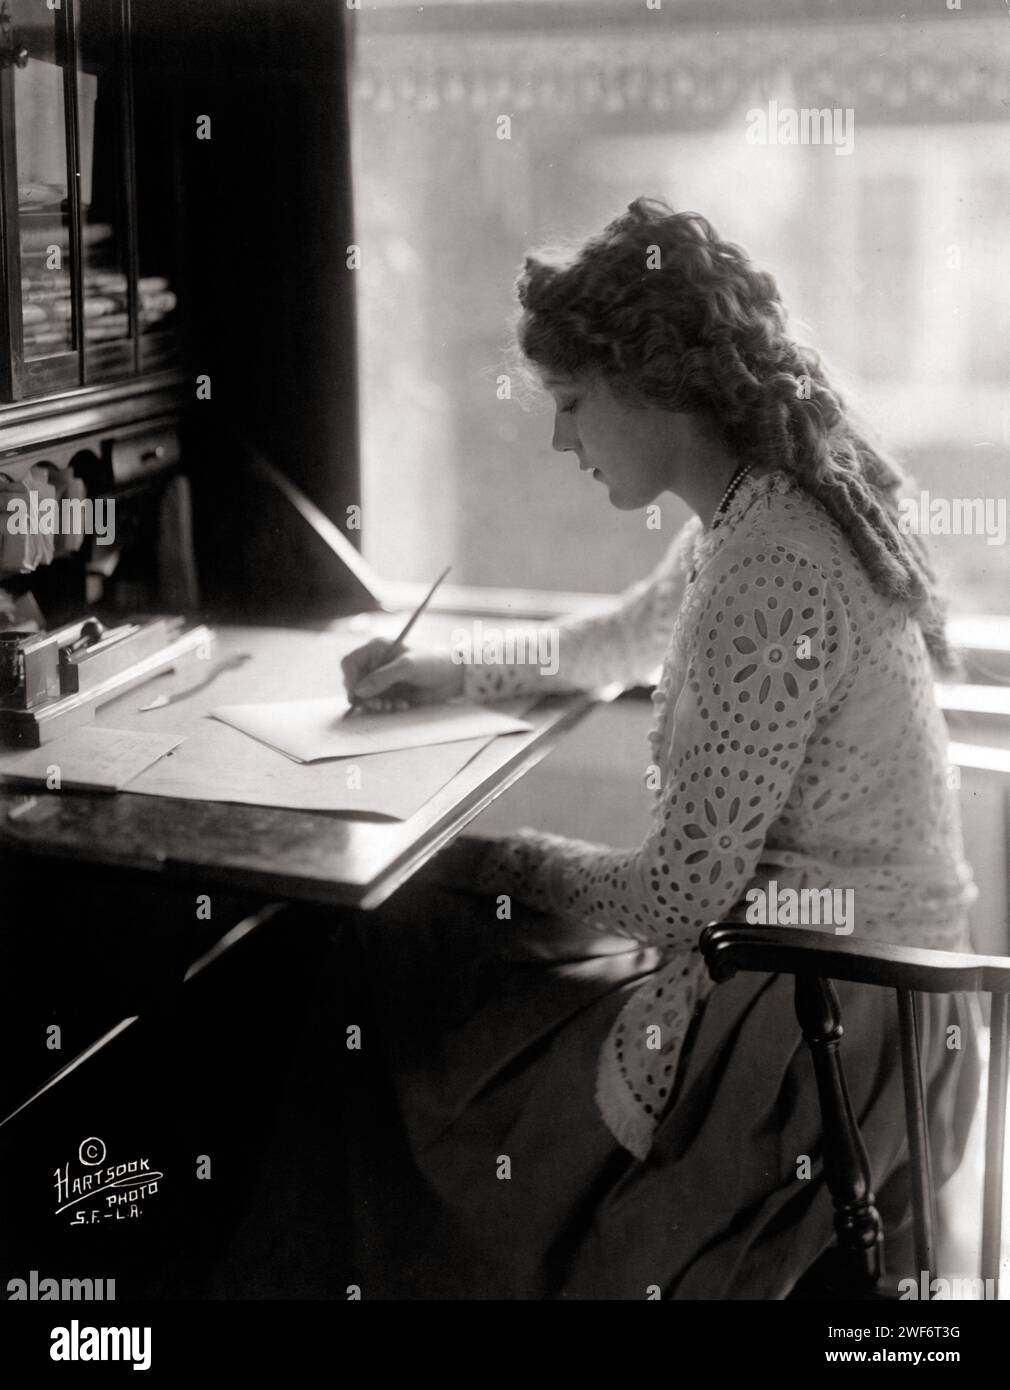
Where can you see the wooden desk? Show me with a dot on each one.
(325, 859)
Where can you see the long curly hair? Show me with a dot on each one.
(674, 316)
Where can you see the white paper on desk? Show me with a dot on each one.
(217, 763)
(90, 759)
(311, 730)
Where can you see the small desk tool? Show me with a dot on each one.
(216, 668)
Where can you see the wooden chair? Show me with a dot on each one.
(855, 1268)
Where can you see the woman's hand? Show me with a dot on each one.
(382, 676)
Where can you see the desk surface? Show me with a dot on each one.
(321, 858)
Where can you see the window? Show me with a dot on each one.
(479, 131)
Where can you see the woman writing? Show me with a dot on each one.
(796, 744)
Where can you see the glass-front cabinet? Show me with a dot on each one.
(86, 274)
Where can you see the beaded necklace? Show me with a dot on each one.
(732, 487)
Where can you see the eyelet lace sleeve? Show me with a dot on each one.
(767, 642)
(761, 650)
(627, 643)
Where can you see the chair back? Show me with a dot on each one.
(816, 960)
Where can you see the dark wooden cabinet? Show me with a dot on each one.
(250, 229)
(184, 167)
(89, 293)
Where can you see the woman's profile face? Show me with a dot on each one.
(636, 452)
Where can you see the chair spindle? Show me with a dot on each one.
(846, 1163)
(995, 1139)
(923, 1193)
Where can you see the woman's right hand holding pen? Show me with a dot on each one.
(381, 675)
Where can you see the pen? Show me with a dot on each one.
(403, 634)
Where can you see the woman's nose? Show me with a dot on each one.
(564, 434)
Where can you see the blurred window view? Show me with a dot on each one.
(890, 247)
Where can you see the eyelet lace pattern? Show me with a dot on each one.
(795, 740)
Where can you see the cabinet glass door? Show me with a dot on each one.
(105, 183)
(49, 303)
(84, 299)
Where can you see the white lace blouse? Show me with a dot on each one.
(796, 739)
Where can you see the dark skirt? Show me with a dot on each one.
(458, 1153)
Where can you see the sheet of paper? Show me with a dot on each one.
(90, 758)
(310, 730)
(217, 763)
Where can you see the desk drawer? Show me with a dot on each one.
(138, 455)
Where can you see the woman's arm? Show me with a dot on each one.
(626, 643)
(769, 645)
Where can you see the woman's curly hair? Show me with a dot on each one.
(674, 316)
